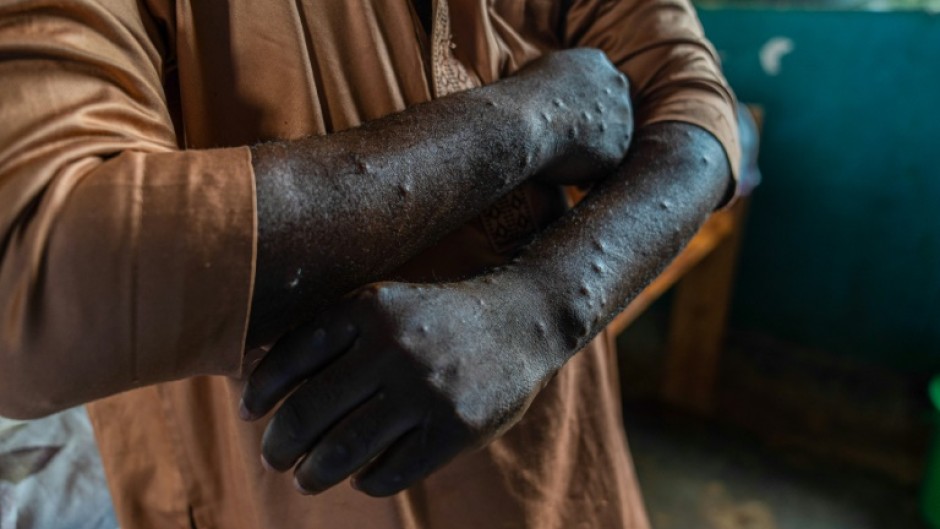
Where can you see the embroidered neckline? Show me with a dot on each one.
(449, 75)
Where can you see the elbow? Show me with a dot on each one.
(44, 369)
(27, 390)
(25, 406)
(17, 413)
(32, 386)
(17, 410)
(26, 380)
(50, 265)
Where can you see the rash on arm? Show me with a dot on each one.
(594, 260)
(342, 210)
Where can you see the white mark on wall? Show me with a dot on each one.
(773, 52)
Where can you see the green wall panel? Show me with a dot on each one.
(843, 245)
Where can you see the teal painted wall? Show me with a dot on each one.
(842, 251)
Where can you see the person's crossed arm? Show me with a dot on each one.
(338, 211)
(126, 260)
(397, 379)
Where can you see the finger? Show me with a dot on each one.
(293, 359)
(318, 404)
(351, 444)
(410, 459)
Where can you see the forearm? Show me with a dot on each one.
(338, 211)
(458, 364)
(596, 259)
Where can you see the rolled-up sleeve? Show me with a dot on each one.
(124, 260)
(674, 71)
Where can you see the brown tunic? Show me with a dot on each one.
(127, 232)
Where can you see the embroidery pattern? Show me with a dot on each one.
(509, 223)
(450, 76)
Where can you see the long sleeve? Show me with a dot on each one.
(124, 261)
(674, 71)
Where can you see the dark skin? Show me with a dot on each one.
(397, 379)
(336, 212)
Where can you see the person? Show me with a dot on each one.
(347, 217)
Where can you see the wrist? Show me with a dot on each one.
(534, 314)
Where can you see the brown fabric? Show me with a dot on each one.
(179, 446)
(127, 232)
(125, 261)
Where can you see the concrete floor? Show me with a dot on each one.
(798, 439)
(696, 475)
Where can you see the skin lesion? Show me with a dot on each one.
(471, 369)
(458, 363)
(324, 203)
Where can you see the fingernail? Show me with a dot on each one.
(243, 412)
(300, 488)
(267, 466)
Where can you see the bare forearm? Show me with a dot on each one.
(461, 362)
(342, 210)
(346, 207)
(614, 243)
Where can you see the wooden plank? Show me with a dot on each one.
(697, 324)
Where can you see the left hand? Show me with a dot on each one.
(399, 378)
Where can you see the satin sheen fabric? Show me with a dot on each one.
(127, 231)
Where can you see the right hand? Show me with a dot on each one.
(399, 378)
(584, 102)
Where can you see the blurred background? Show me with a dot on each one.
(783, 381)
